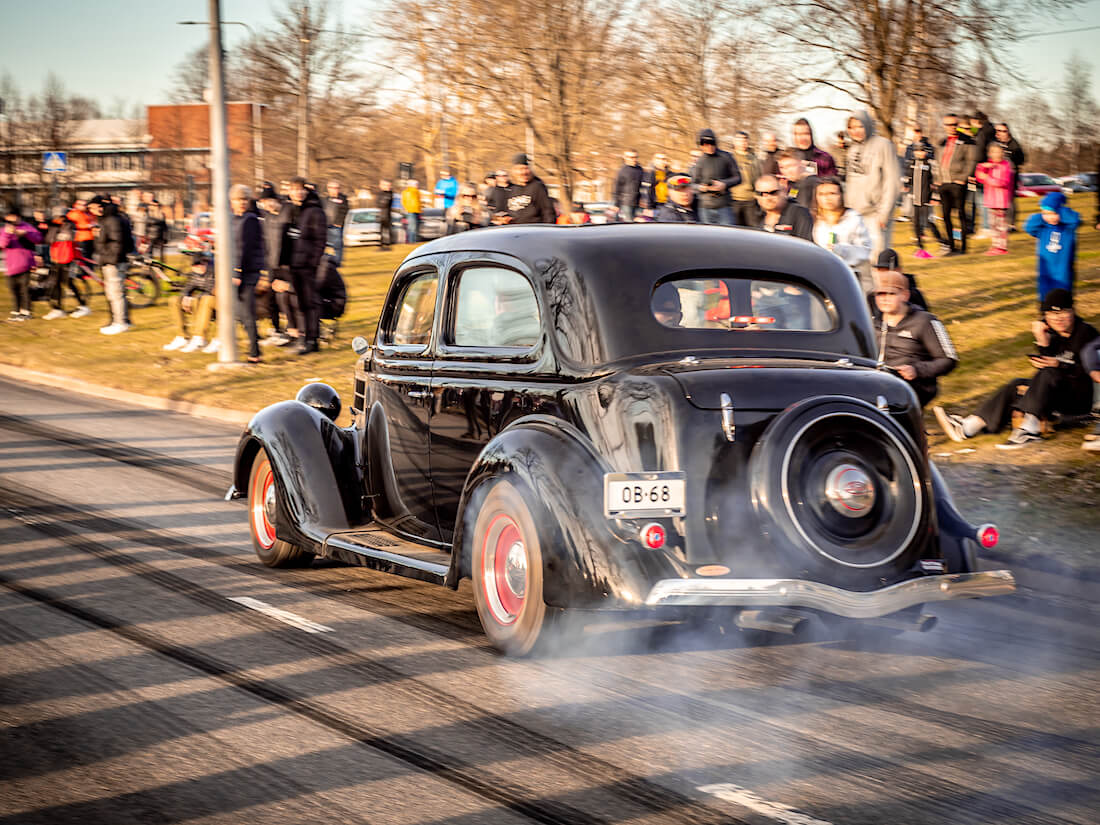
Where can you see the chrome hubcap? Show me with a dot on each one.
(269, 503)
(515, 569)
(849, 490)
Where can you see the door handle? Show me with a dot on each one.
(419, 393)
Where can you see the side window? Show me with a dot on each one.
(414, 312)
(495, 307)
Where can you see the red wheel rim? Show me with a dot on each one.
(261, 500)
(504, 569)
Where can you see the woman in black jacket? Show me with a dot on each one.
(248, 261)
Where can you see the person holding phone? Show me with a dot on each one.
(1060, 385)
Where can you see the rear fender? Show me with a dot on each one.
(588, 561)
(319, 489)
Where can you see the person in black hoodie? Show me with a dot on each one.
(714, 174)
(248, 262)
(628, 185)
(308, 232)
(113, 242)
(274, 284)
(528, 200)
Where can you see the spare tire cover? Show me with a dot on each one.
(842, 490)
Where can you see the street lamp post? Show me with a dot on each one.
(219, 167)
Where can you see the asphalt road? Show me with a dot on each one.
(140, 683)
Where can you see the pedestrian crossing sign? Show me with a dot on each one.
(55, 162)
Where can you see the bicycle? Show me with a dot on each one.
(142, 288)
(168, 277)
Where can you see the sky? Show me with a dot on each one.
(128, 49)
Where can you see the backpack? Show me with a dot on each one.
(331, 288)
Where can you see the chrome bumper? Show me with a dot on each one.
(829, 599)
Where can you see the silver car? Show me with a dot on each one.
(361, 227)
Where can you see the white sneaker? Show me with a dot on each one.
(53, 315)
(80, 312)
(175, 343)
(194, 345)
(113, 329)
(26, 313)
(212, 347)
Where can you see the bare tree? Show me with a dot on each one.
(882, 53)
(1077, 107)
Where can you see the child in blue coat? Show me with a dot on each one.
(1055, 225)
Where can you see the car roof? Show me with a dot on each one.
(603, 276)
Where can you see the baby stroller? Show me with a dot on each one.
(333, 296)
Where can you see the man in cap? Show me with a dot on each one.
(913, 344)
(714, 174)
(1061, 384)
(528, 200)
(889, 261)
(680, 206)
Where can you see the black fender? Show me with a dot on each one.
(320, 484)
(958, 537)
(589, 560)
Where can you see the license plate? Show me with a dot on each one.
(632, 495)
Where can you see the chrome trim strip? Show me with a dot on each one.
(829, 599)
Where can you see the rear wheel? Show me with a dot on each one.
(262, 507)
(142, 289)
(506, 562)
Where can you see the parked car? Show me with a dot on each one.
(572, 420)
(361, 227)
(1035, 185)
(1083, 182)
(200, 234)
(433, 224)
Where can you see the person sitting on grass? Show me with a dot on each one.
(195, 301)
(1055, 227)
(1061, 384)
(1090, 360)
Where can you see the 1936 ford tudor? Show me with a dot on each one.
(632, 417)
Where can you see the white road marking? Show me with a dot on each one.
(284, 616)
(747, 799)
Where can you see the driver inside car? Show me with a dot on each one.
(666, 305)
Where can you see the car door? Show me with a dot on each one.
(492, 367)
(400, 406)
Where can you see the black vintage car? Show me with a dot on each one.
(624, 417)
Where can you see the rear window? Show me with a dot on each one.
(741, 303)
(366, 216)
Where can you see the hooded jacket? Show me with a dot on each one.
(19, 250)
(114, 241)
(248, 238)
(530, 203)
(1057, 243)
(310, 233)
(873, 182)
(920, 340)
(721, 167)
(826, 166)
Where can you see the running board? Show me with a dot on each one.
(380, 550)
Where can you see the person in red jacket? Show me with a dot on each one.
(996, 175)
(84, 222)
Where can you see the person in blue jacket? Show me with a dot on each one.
(447, 188)
(1055, 225)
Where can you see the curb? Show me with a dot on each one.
(150, 402)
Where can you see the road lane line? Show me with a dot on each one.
(747, 799)
(284, 616)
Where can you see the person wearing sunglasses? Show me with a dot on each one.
(776, 214)
(466, 213)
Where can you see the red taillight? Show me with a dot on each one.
(988, 536)
(653, 536)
